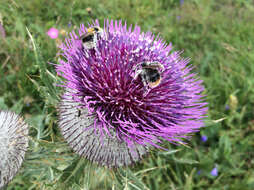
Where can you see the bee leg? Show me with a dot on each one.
(135, 67)
(145, 83)
(86, 54)
(95, 41)
(162, 67)
(146, 90)
(137, 73)
(144, 80)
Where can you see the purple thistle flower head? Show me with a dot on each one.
(113, 110)
(13, 145)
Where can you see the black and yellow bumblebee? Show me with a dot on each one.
(150, 73)
(91, 37)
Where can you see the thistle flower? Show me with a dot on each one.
(13, 145)
(53, 33)
(113, 118)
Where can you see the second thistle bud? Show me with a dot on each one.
(13, 145)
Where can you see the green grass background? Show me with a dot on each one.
(219, 38)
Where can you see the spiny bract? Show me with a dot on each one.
(13, 145)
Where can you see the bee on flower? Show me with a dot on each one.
(91, 37)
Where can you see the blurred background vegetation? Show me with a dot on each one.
(219, 38)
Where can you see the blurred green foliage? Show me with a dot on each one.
(217, 35)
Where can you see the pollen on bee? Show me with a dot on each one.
(154, 84)
(90, 30)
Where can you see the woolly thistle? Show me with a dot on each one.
(13, 145)
(113, 117)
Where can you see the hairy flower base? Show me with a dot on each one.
(13, 145)
(77, 127)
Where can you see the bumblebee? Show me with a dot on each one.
(150, 73)
(90, 39)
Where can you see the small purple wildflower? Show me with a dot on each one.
(227, 107)
(199, 172)
(2, 31)
(106, 115)
(13, 145)
(178, 17)
(53, 33)
(181, 2)
(69, 24)
(214, 172)
(204, 138)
